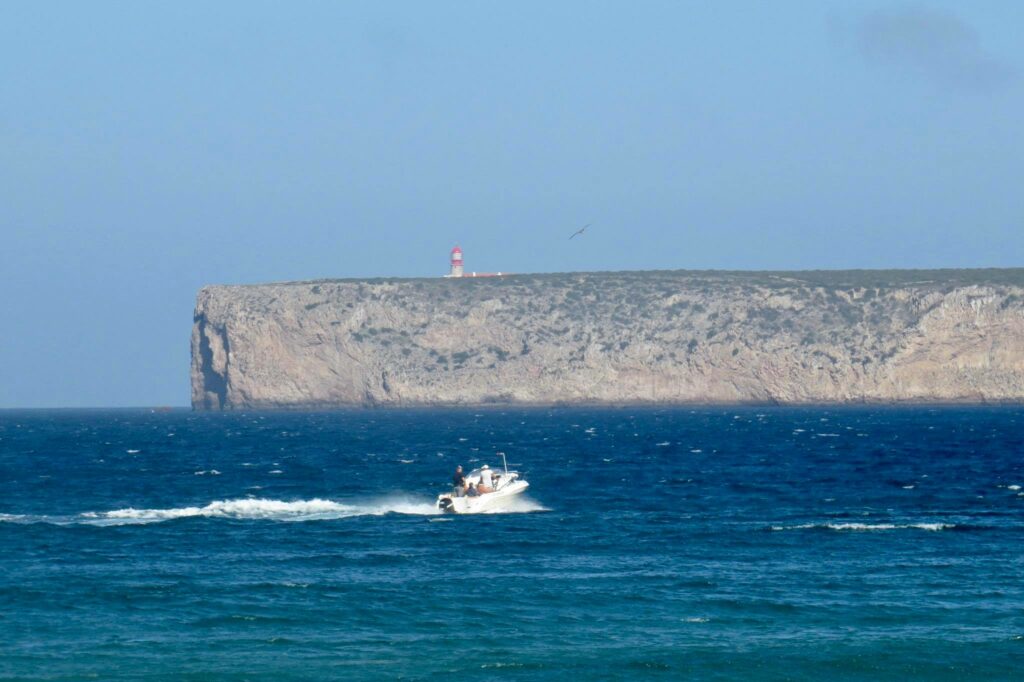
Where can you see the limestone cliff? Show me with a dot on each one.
(658, 337)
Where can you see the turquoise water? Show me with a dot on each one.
(726, 543)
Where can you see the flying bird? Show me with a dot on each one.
(580, 231)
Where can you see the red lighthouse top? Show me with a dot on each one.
(456, 255)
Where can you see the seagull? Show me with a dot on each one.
(580, 231)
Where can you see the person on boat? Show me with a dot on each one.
(472, 491)
(486, 482)
(459, 482)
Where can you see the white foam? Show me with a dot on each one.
(263, 509)
(868, 527)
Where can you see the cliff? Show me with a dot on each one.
(658, 337)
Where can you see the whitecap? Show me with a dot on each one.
(933, 526)
(500, 664)
(868, 527)
(133, 452)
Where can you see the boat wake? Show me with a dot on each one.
(315, 509)
(257, 509)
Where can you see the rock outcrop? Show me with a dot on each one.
(630, 337)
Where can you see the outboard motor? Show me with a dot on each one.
(445, 504)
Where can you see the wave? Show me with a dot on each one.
(260, 509)
(867, 527)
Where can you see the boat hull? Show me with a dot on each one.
(450, 504)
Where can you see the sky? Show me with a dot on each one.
(149, 149)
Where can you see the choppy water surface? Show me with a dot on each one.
(726, 543)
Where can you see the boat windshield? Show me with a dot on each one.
(474, 475)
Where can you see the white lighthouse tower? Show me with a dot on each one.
(456, 262)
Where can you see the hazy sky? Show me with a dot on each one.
(147, 150)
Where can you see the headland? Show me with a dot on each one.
(658, 337)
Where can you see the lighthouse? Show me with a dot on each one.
(456, 262)
(456, 270)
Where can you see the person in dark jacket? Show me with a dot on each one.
(459, 482)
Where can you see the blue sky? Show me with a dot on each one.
(147, 150)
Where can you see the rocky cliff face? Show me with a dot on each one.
(658, 337)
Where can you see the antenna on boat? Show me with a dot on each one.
(504, 461)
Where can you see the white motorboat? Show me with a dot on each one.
(505, 485)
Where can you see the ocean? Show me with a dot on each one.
(724, 543)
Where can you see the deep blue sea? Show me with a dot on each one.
(717, 543)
